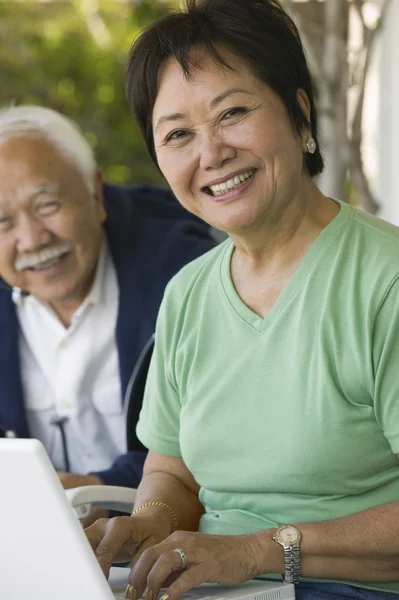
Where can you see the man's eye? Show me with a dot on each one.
(5, 222)
(48, 208)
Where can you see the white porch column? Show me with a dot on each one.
(388, 130)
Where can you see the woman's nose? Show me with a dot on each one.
(215, 152)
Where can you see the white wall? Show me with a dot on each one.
(388, 121)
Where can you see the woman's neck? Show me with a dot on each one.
(284, 236)
(262, 265)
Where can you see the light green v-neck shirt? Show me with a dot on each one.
(293, 417)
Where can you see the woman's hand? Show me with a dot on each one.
(123, 539)
(210, 558)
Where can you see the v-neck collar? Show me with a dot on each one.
(252, 319)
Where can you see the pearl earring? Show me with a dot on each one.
(311, 145)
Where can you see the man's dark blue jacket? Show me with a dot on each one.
(150, 238)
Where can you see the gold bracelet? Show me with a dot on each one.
(158, 503)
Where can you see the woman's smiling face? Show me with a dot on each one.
(225, 143)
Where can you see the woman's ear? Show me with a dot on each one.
(306, 133)
(304, 103)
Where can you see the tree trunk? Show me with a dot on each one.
(332, 92)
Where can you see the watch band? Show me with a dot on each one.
(291, 564)
(289, 537)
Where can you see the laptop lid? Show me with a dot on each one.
(44, 553)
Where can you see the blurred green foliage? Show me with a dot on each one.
(70, 55)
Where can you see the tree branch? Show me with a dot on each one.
(369, 36)
(309, 32)
(94, 22)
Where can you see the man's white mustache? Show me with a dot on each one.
(43, 256)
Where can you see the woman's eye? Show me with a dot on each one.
(233, 112)
(176, 135)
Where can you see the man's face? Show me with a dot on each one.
(50, 224)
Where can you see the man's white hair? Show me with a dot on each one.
(64, 134)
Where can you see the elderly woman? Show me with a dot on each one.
(271, 410)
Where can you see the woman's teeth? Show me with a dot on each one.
(230, 184)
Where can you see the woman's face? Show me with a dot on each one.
(225, 144)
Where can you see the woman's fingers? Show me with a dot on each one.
(95, 532)
(199, 558)
(139, 551)
(159, 566)
(188, 579)
(110, 538)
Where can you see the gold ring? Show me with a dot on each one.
(128, 592)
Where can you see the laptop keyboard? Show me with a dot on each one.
(190, 595)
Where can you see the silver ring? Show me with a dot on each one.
(183, 557)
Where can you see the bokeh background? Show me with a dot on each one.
(70, 55)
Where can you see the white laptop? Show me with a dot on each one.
(44, 553)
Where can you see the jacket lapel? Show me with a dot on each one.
(12, 414)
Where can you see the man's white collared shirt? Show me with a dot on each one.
(74, 373)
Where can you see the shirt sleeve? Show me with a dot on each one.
(159, 422)
(126, 471)
(386, 365)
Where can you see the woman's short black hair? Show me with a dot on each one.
(259, 32)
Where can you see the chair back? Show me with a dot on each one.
(134, 396)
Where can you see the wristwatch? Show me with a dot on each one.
(289, 537)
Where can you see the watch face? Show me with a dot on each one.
(288, 535)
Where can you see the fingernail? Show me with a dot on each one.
(164, 597)
(149, 595)
(128, 592)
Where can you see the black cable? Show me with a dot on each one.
(60, 422)
(8, 288)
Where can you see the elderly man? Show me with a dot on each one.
(83, 268)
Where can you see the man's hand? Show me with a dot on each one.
(70, 480)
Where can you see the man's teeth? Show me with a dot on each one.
(46, 264)
(221, 188)
(43, 259)
(46, 258)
